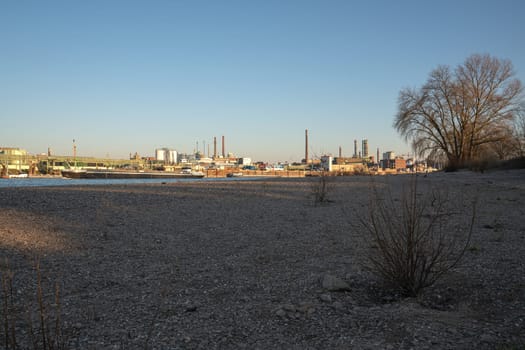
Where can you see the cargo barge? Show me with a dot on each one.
(126, 174)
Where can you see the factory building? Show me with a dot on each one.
(245, 161)
(390, 161)
(11, 151)
(13, 158)
(343, 164)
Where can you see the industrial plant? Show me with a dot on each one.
(17, 162)
(360, 162)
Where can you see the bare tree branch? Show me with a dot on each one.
(463, 112)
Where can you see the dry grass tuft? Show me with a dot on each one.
(321, 188)
(28, 325)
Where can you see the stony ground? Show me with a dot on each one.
(247, 264)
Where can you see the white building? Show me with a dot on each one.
(245, 161)
(326, 162)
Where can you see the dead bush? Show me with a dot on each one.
(321, 188)
(43, 325)
(415, 239)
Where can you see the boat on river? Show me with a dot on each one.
(128, 174)
(18, 176)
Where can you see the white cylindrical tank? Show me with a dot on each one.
(172, 157)
(160, 154)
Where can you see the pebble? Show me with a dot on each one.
(327, 298)
(338, 305)
(334, 284)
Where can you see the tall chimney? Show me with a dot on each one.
(355, 148)
(364, 148)
(214, 147)
(223, 153)
(340, 152)
(306, 146)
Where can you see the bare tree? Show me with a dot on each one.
(458, 113)
(519, 132)
(506, 148)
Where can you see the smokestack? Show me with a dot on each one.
(364, 148)
(214, 147)
(340, 152)
(355, 148)
(223, 153)
(306, 146)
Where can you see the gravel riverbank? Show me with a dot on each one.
(233, 265)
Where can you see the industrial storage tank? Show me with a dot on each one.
(160, 154)
(166, 155)
(172, 157)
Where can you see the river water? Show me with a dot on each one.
(57, 181)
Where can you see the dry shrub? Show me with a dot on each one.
(8, 309)
(43, 326)
(321, 188)
(413, 239)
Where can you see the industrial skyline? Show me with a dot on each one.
(214, 153)
(121, 77)
(173, 156)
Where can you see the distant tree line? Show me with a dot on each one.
(472, 113)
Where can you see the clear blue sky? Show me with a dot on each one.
(130, 76)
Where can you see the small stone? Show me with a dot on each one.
(289, 307)
(310, 311)
(281, 313)
(486, 338)
(333, 284)
(191, 308)
(327, 298)
(337, 305)
(304, 307)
